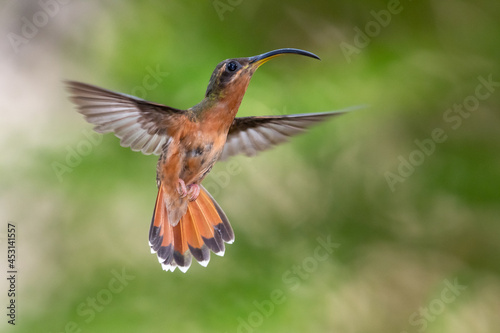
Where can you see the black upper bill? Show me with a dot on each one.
(271, 54)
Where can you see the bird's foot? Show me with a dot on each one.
(181, 188)
(193, 191)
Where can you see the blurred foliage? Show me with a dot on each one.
(397, 250)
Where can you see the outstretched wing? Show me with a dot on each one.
(141, 125)
(250, 135)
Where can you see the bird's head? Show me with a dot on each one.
(231, 76)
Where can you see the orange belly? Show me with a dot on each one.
(192, 153)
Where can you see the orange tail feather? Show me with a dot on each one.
(203, 227)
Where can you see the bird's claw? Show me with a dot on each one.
(181, 188)
(193, 192)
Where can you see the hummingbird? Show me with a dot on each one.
(187, 222)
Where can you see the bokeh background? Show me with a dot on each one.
(406, 191)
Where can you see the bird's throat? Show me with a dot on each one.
(220, 108)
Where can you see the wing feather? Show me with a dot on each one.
(140, 125)
(250, 135)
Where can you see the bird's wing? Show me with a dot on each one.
(250, 135)
(140, 125)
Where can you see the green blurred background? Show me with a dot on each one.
(413, 216)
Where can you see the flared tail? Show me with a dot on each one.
(203, 227)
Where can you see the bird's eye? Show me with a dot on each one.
(232, 66)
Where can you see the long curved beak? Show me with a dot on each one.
(258, 60)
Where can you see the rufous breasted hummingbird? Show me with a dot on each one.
(187, 222)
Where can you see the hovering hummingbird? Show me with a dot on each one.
(187, 222)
